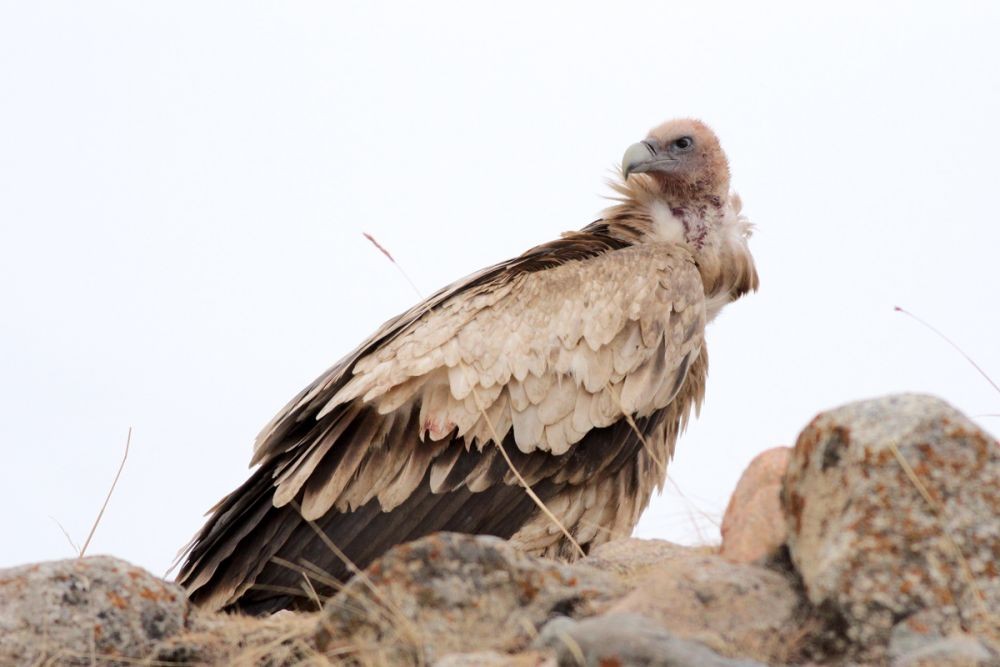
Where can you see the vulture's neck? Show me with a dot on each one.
(708, 225)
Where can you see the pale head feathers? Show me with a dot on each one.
(684, 160)
(674, 188)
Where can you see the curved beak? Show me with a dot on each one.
(643, 157)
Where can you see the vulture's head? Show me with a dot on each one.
(683, 157)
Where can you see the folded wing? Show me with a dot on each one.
(576, 356)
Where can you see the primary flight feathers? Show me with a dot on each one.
(584, 356)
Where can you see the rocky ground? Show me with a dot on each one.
(875, 540)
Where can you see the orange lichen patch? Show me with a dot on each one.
(808, 441)
(162, 595)
(794, 507)
(117, 600)
(610, 662)
(944, 596)
(529, 589)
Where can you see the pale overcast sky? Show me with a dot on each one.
(184, 187)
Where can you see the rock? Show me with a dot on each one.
(734, 609)
(753, 527)
(626, 639)
(914, 642)
(81, 611)
(632, 557)
(453, 593)
(955, 651)
(869, 547)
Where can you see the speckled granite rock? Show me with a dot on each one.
(453, 593)
(753, 527)
(868, 545)
(85, 611)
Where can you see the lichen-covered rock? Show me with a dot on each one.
(85, 611)
(626, 639)
(734, 609)
(453, 593)
(753, 527)
(868, 545)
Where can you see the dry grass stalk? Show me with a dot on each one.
(517, 473)
(691, 507)
(392, 259)
(104, 506)
(65, 533)
(386, 608)
(953, 344)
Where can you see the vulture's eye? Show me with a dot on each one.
(684, 143)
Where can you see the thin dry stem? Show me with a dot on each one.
(573, 647)
(104, 506)
(69, 539)
(662, 466)
(392, 259)
(411, 631)
(310, 571)
(953, 344)
(538, 501)
(524, 483)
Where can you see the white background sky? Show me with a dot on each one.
(184, 185)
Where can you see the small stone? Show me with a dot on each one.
(753, 527)
(626, 639)
(954, 651)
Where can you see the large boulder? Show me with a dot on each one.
(892, 509)
(81, 611)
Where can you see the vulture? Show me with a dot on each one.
(537, 400)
